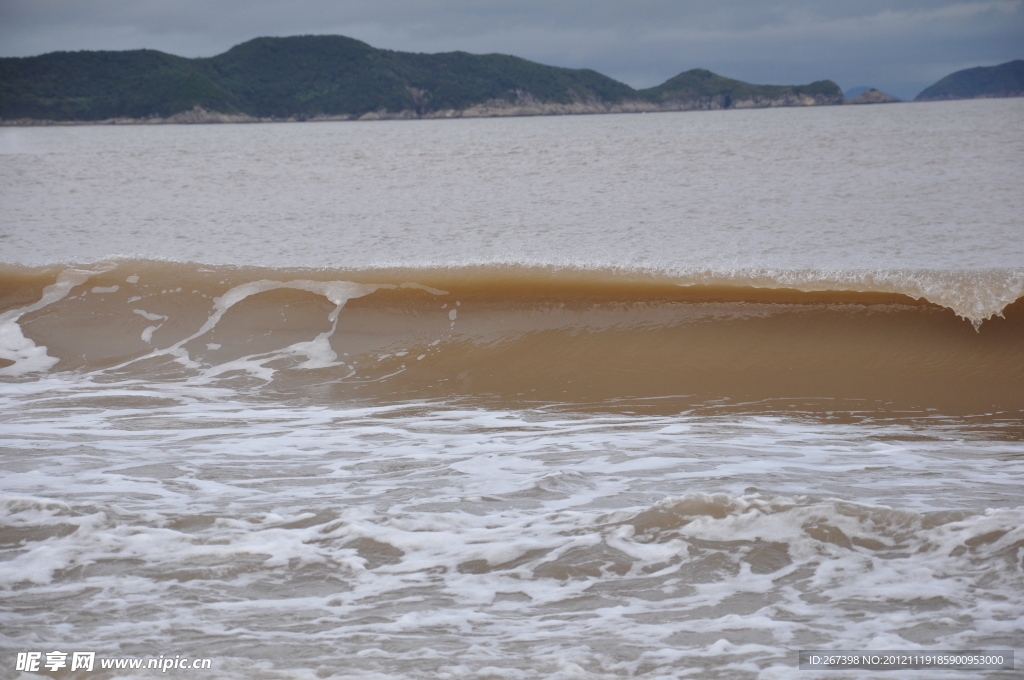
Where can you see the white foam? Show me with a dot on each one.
(317, 351)
(147, 333)
(430, 535)
(14, 346)
(150, 316)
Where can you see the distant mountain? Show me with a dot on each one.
(334, 77)
(856, 91)
(1005, 80)
(871, 96)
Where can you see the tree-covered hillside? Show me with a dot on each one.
(98, 85)
(335, 76)
(699, 85)
(1005, 80)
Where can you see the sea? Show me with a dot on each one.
(653, 396)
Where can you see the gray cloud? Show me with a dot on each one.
(899, 46)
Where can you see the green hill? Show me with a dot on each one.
(332, 75)
(98, 85)
(310, 75)
(337, 77)
(1005, 80)
(704, 89)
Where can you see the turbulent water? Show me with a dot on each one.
(639, 396)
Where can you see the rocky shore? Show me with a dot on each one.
(498, 108)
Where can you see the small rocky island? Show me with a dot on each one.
(872, 96)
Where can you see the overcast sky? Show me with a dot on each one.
(899, 46)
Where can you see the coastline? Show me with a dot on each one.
(524, 107)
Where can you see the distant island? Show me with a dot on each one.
(338, 78)
(325, 77)
(1005, 80)
(869, 95)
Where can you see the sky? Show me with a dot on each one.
(898, 46)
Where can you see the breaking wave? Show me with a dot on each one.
(526, 333)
